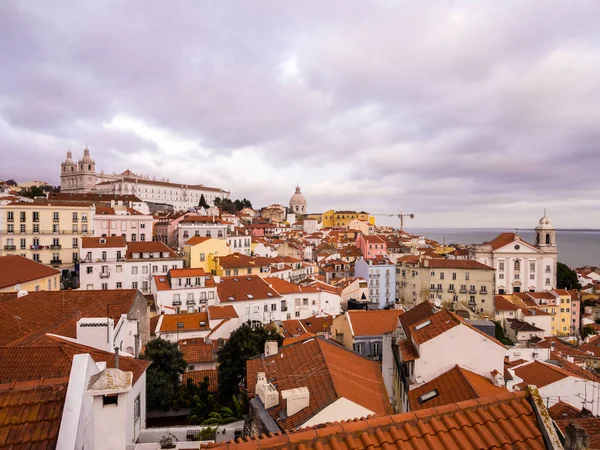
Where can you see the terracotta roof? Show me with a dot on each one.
(502, 421)
(316, 324)
(439, 263)
(564, 411)
(57, 312)
(408, 350)
(374, 322)
(503, 304)
(69, 197)
(172, 323)
(520, 325)
(195, 350)
(541, 374)
(417, 314)
(328, 370)
(194, 240)
(504, 239)
(103, 242)
(207, 219)
(302, 337)
(531, 312)
(149, 247)
(222, 312)
(243, 288)
(30, 415)
(198, 376)
(238, 260)
(455, 385)
(291, 328)
(590, 424)
(409, 259)
(16, 269)
(287, 287)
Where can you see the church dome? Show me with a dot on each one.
(298, 202)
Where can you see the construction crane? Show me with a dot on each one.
(401, 216)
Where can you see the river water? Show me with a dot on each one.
(576, 248)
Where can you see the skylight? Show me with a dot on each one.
(428, 396)
(231, 298)
(269, 294)
(423, 325)
(250, 296)
(179, 324)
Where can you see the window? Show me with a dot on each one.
(134, 270)
(441, 275)
(154, 269)
(134, 285)
(22, 228)
(547, 281)
(36, 216)
(112, 399)
(10, 216)
(104, 286)
(376, 348)
(36, 257)
(297, 314)
(75, 243)
(142, 236)
(89, 270)
(103, 256)
(532, 266)
(501, 265)
(532, 276)
(55, 228)
(136, 408)
(517, 265)
(23, 244)
(202, 257)
(145, 286)
(467, 276)
(75, 228)
(144, 269)
(501, 276)
(119, 285)
(359, 348)
(10, 228)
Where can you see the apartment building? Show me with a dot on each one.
(197, 225)
(380, 273)
(447, 280)
(48, 232)
(112, 263)
(123, 221)
(184, 290)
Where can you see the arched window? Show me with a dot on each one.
(537, 239)
(359, 348)
(89, 167)
(548, 238)
(517, 265)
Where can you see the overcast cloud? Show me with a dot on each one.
(468, 114)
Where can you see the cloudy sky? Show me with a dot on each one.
(469, 114)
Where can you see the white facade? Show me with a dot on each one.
(266, 251)
(188, 291)
(521, 266)
(133, 227)
(203, 226)
(340, 410)
(240, 243)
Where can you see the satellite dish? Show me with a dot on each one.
(18, 287)
(437, 303)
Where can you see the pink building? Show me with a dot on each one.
(575, 312)
(371, 246)
(165, 228)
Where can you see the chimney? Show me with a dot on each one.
(271, 348)
(576, 438)
(296, 400)
(116, 357)
(265, 391)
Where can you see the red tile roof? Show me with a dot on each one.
(172, 323)
(564, 411)
(439, 263)
(194, 240)
(149, 247)
(455, 385)
(57, 312)
(30, 415)
(328, 370)
(541, 374)
(374, 322)
(103, 242)
(590, 424)
(195, 350)
(286, 287)
(506, 421)
(243, 288)
(222, 312)
(503, 304)
(316, 324)
(198, 376)
(504, 239)
(16, 269)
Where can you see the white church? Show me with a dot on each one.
(521, 266)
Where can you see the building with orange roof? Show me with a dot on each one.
(556, 384)
(200, 225)
(380, 273)
(501, 421)
(302, 301)
(122, 220)
(199, 354)
(201, 251)
(312, 382)
(522, 266)
(111, 263)
(19, 273)
(183, 290)
(430, 341)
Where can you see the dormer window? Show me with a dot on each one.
(428, 396)
(102, 241)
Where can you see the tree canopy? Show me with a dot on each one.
(244, 343)
(202, 203)
(566, 278)
(230, 206)
(162, 377)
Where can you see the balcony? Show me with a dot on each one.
(104, 274)
(472, 291)
(56, 262)
(463, 290)
(451, 290)
(190, 302)
(176, 302)
(284, 308)
(10, 247)
(55, 219)
(439, 289)
(483, 291)
(10, 219)
(55, 247)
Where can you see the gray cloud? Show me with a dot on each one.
(446, 108)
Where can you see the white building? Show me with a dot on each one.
(121, 220)
(82, 177)
(197, 225)
(380, 272)
(112, 263)
(183, 290)
(240, 242)
(521, 266)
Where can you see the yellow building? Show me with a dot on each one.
(199, 252)
(557, 303)
(563, 312)
(46, 231)
(341, 219)
(22, 274)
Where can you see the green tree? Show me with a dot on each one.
(162, 377)
(243, 343)
(566, 278)
(11, 182)
(33, 191)
(202, 203)
(587, 331)
(217, 201)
